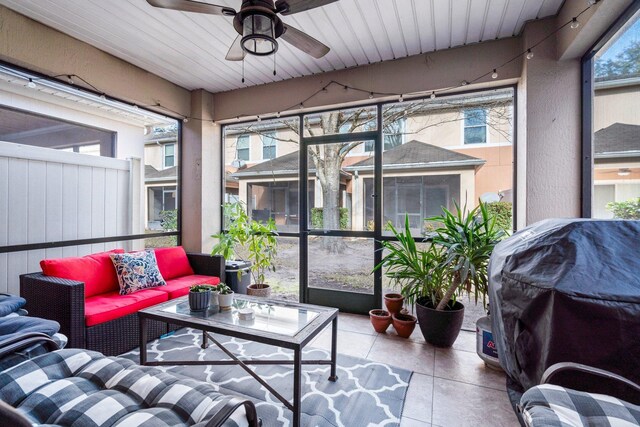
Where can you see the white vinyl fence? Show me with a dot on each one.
(52, 196)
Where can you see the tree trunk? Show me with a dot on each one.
(328, 161)
(449, 293)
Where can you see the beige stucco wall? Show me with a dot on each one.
(419, 73)
(616, 105)
(201, 173)
(153, 156)
(283, 145)
(551, 130)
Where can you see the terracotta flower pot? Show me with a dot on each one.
(393, 302)
(380, 319)
(259, 290)
(404, 324)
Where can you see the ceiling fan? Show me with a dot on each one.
(258, 24)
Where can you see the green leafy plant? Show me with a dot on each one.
(629, 209)
(503, 212)
(387, 226)
(317, 219)
(223, 289)
(169, 220)
(417, 273)
(256, 238)
(201, 288)
(236, 235)
(467, 240)
(262, 246)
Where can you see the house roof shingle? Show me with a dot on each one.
(286, 164)
(153, 174)
(420, 154)
(617, 140)
(411, 154)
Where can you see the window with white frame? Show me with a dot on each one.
(242, 148)
(475, 126)
(269, 145)
(169, 155)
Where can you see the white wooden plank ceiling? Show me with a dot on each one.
(189, 49)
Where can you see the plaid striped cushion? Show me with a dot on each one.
(554, 406)
(85, 388)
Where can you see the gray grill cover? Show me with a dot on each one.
(567, 290)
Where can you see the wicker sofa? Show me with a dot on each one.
(82, 295)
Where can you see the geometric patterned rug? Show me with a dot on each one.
(366, 394)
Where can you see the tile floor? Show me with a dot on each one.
(449, 387)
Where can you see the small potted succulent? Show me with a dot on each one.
(199, 297)
(225, 296)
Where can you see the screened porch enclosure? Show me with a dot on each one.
(417, 197)
(277, 200)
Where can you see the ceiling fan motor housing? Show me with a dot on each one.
(259, 27)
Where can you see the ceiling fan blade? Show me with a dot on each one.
(236, 53)
(304, 42)
(193, 6)
(287, 7)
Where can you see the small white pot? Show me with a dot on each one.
(225, 300)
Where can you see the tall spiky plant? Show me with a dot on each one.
(417, 273)
(467, 240)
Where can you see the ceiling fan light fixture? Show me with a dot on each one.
(258, 35)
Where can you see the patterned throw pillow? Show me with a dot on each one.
(136, 271)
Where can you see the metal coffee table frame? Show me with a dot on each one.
(296, 342)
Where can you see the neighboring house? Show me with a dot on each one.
(418, 179)
(440, 152)
(616, 143)
(270, 189)
(616, 166)
(161, 174)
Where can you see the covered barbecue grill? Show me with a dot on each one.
(567, 290)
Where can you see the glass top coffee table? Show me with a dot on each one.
(278, 323)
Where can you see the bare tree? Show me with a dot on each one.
(329, 158)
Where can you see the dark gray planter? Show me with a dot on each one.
(440, 328)
(199, 301)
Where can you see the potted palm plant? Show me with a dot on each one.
(454, 258)
(466, 240)
(409, 269)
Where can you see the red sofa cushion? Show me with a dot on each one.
(96, 271)
(173, 262)
(179, 287)
(109, 306)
